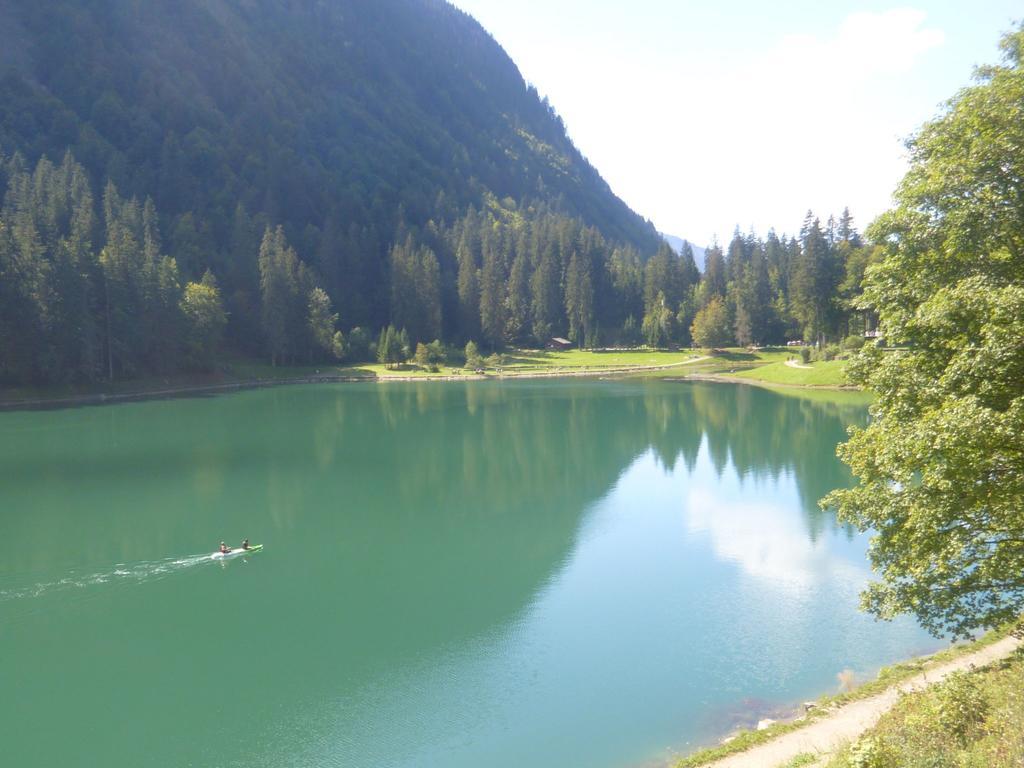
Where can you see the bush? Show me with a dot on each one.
(853, 343)
(805, 355)
(497, 360)
(872, 753)
(831, 352)
(961, 707)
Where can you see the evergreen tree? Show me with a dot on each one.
(579, 297)
(492, 297)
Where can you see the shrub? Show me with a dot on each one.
(872, 752)
(961, 706)
(831, 352)
(853, 343)
(805, 355)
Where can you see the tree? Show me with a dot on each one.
(429, 356)
(203, 310)
(390, 351)
(492, 297)
(579, 297)
(322, 321)
(473, 359)
(468, 290)
(711, 325)
(658, 324)
(279, 289)
(544, 291)
(940, 469)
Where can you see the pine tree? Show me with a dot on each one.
(579, 297)
(518, 301)
(468, 291)
(492, 298)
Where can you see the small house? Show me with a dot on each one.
(559, 343)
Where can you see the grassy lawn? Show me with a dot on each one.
(973, 719)
(576, 360)
(822, 374)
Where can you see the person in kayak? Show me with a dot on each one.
(245, 543)
(224, 548)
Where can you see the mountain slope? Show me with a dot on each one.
(304, 111)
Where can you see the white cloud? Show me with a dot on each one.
(768, 541)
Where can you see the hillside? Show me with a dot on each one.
(345, 122)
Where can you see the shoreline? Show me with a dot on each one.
(833, 720)
(171, 390)
(725, 379)
(185, 390)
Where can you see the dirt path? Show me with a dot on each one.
(795, 364)
(825, 735)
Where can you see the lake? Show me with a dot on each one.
(591, 573)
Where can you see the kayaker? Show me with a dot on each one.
(245, 543)
(224, 548)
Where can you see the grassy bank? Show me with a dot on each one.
(821, 374)
(241, 372)
(762, 366)
(887, 677)
(973, 719)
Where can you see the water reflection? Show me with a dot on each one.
(544, 573)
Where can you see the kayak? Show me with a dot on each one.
(236, 552)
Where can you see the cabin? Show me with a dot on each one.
(558, 342)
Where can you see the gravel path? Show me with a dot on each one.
(825, 735)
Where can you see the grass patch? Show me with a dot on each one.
(823, 374)
(887, 677)
(970, 720)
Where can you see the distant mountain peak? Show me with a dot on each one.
(677, 246)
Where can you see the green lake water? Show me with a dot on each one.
(543, 574)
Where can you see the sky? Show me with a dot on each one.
(704, 116)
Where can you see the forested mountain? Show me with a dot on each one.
(286, 178)
(352, 125)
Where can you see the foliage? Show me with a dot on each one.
(960, 706)
(390, 349)
(830, 352)
(972, 719)
(853, 343)
(871, 753)
(473, 359)
(430, 356)
(431, 191)
(805, 355)
(205, 319)
(711, 325)
(941, 467)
